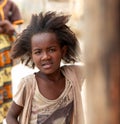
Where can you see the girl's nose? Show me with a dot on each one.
(45, 55)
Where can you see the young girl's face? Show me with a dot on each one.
(46, 52)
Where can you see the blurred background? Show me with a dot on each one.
(72, 7)
(96, 24)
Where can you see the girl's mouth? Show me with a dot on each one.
(47, 65)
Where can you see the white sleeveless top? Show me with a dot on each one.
(58, 111)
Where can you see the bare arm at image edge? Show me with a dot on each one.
(13, 113)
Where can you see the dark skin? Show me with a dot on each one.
(6, 27)
(47, 55)
(51, 87)
(13, 114)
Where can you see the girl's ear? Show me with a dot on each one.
(64, 50)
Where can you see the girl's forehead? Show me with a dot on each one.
(44, 38)
(44, 35)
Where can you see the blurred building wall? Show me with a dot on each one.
(102, 55)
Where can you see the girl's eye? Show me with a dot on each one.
(51, 50)
(37, 52)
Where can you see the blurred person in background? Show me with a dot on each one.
(9, 18)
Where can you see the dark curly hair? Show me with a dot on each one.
(46, 22)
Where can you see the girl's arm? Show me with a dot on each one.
(13, 113)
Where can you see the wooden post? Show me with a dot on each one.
(102, 59)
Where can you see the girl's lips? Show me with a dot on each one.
(46, 65)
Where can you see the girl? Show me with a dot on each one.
(52, 95)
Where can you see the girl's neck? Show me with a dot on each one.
(52, 77)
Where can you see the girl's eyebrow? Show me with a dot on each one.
(36, 49)
(51, 46)
(47, 48)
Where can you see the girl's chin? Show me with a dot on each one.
(47, 71)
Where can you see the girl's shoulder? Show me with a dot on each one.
(28, 80)
(76, 67)
(29, 77)
(74, 72)
(24, 89)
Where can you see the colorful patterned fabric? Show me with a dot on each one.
(8, 11)
(5, 75)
